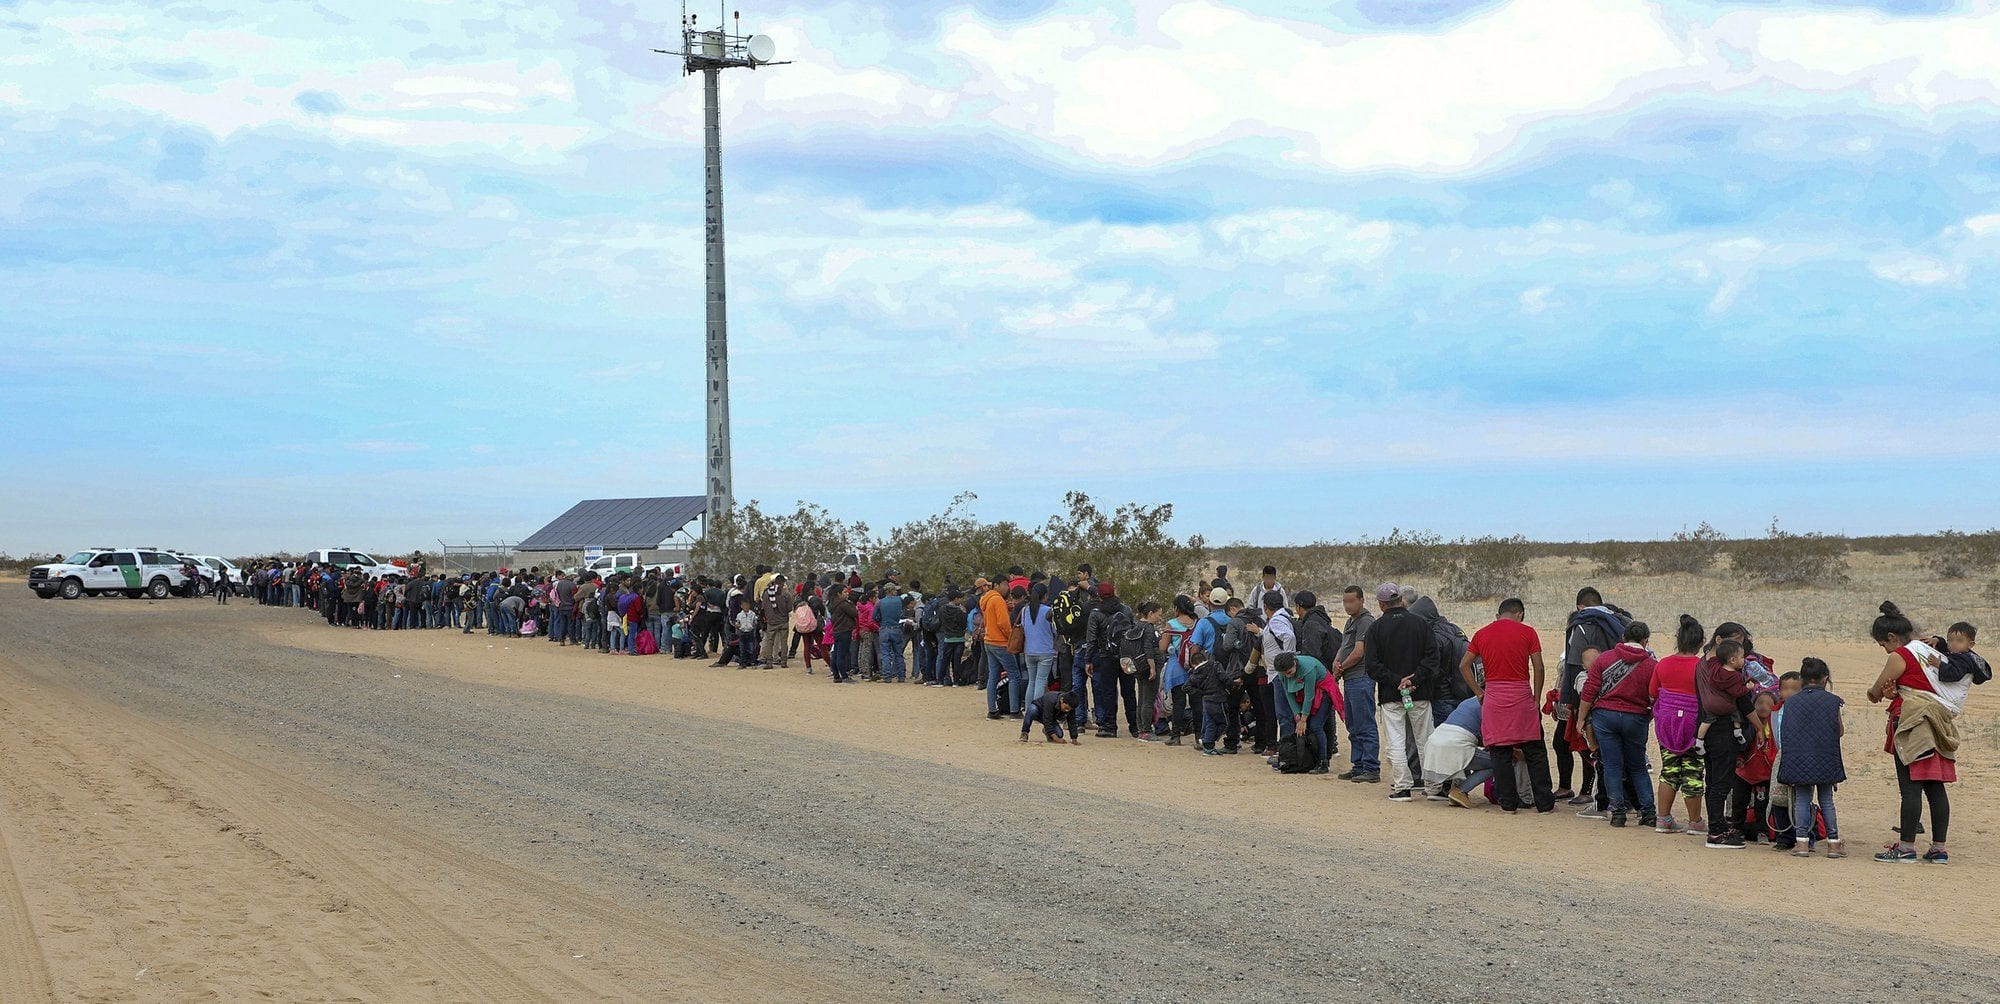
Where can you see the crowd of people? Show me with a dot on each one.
(1751, 754)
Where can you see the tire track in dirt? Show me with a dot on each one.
(307, 828)
(24, 974)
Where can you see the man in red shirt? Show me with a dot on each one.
(1510, 719)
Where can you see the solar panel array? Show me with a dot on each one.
(617, 524)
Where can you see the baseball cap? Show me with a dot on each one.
(1388, 592)
(1218, 596)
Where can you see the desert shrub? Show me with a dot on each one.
(1129, 547)
(1892, 544)
(1611, 557)
(1403, 552)
(953, 548)
(1324, 567)
(1485, 567)
(796, 542)
(1955, 555)
(1993, 592)
(1782, 558)
(1687, 552)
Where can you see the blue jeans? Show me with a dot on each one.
(891, 645)
(1034, 678)
(1283, 702)
(559, 624)
(1621, 742)
(1104, 672)
(999, 661)
(843, 656)
(1218, 721)
(1803, 797)
(1319, 725)
(1364, 747)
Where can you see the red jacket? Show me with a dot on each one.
(1633, 694)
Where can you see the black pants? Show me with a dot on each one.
(1565, 759)
(1724, 813)
(1179, 721)
(1128, 691)
(1915, 794)
(1506, 790)
(1265, 707)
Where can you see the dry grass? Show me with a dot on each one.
(1838, 613)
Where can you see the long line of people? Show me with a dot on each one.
(1750, 753)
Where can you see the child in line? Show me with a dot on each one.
(1809, 757)
(1778, 822)
(1052, 709)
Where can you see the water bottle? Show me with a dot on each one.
(1408, 705)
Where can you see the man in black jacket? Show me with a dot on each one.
(1108, 619)
(1401, 654)
(1317, 638)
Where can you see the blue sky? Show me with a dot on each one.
(295, 274)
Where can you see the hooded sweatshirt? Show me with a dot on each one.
(1317, 638)
(1633, 694)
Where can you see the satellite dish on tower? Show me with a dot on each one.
(762, 49)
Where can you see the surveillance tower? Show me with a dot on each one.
(709, 52)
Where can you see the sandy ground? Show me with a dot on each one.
(236, 803)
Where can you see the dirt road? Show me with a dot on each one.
(228, 803)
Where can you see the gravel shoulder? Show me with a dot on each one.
(241, 800)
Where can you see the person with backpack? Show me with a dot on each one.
(1266, 586)
(1174, 673)
(1277, 635)
(805, 628)
(1307, 703)
(1616, 702)
(1593, 629)
(931, 672)
(1140, 650)
(1110, 619)
(1215, 648)
(1318, 639)
(1401, 654)
(1071, 611)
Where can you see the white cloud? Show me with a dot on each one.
(1190, 75)
(1536, 299)
(1925, 63)
(1917, 270)
(1983, 226)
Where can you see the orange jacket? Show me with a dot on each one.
(996, 623)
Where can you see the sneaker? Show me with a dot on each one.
(1436, 796)
(1648, 819)
(991, 716)
(1697, 828)
(1368, 779)
(1725, 842)
(1348, 775)
(1173, 740)
(1590, 812)
(1232, 750)
(1564, 795)
(1898, 856)
(1317, 770)
(1668, 824)
(1581, 800)
(1146, 737)
(1459, 798)
(1936, 856)
(1402, 795)
(1103, 734)
(1210, 751)
(1618, 818)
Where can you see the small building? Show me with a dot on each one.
(654, 528)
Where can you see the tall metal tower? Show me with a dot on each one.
(709, 52)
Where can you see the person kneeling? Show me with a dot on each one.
(1052, 710)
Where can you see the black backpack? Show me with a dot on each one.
(1135, 643)
(1115, 627)
(1072, 615)
(1232, 644)
(1295, 754)
(927, 622)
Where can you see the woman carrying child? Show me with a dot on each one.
(1923, 734)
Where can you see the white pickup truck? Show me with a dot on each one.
(345, 558)
(134, 571)
(608, 565)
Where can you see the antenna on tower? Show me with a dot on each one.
(709, 53)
